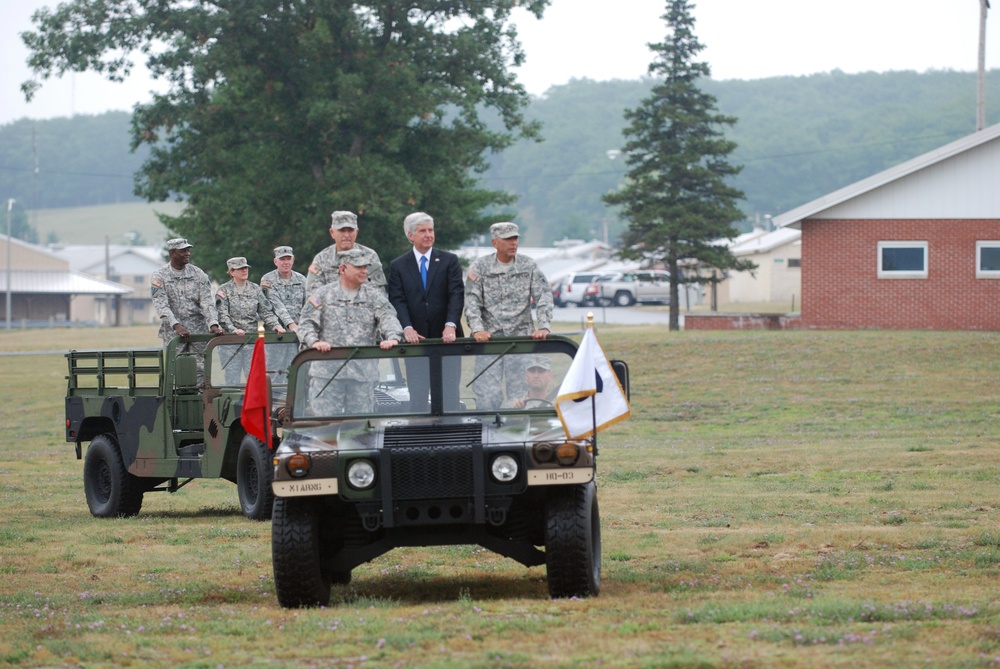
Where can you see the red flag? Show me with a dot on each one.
(256, 414)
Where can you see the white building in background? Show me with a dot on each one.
(129, 266)
(778, 277)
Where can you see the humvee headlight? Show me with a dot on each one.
(504, 468)
(544, 451)
(567, 453)
(298, 465)
(360, 474)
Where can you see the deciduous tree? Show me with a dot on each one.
(281, 111)
(677, 200)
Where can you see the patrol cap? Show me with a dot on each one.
(504, 230)
(343, 219)
(282, 251)
(238, 262)
(355, 257)
(540, 361)
(178, 244)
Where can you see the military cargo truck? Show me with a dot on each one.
(151, 427)
(479, 464)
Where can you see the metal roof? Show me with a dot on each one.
(55, 282)
(795, 216)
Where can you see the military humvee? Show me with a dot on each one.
(151, 427)
(474, 462)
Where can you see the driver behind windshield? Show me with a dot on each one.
(538, 376)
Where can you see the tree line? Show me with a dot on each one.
(797, 138)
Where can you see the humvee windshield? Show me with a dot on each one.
(231, 362)
(442, 380)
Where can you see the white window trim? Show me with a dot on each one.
(886, 274)
(985, 274)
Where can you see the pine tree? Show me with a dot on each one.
(677, 201)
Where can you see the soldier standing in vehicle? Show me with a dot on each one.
(350, 312)
(242, 305)
(182, 296)
(285, 288)
(500, 290)
(325, 267)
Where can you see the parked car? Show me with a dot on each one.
(571, 291)
(648, 286)
(592, 294)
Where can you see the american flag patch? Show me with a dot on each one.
(473, 275)
(314, 269)
(315, 301)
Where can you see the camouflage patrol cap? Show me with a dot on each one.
(343, 219)
(282, 251)
(503, 230)
(238, 262)
(178, 244)
(540, 361)
(354, 256)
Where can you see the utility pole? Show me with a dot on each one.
(10, 206)
(984, 5)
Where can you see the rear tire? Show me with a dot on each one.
(254, 473)
(110, 490)
(573, 541)
(299, 577)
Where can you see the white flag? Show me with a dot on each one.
(590, 395)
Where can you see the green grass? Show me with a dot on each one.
(793, 499)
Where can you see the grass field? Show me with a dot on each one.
(789, 499)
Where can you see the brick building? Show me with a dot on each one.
(916, 246)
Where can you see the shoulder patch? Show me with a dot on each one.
(314, 269)
(221, 293)
(473, 275)
(265, 283)
(156, 282)
(315, 301)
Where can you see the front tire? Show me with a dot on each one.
(110, 490)
(573, 541)
(254, 473)
(299, 577)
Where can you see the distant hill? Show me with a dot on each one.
(90, 225)
(798, 138)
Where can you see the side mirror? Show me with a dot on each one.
(621, 371)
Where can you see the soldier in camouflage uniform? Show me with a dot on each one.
(242, 304)
(499, 291)
(182, 296)
(350, 312)
(285, 288)
(325, 267)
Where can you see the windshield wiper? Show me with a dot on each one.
(495, 361)
(346, 360)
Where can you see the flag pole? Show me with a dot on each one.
(593, 398)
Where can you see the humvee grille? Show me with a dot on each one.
(432, 461)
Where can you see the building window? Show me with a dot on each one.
(988, 260)
(794, 262)
(902, 260)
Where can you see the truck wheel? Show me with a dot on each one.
(111, 491)
(623, 298)
(573, 541)
(254, 472)
(299, 577)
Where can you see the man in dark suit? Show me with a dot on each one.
(427, 289)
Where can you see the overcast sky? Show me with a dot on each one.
(606, 39)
